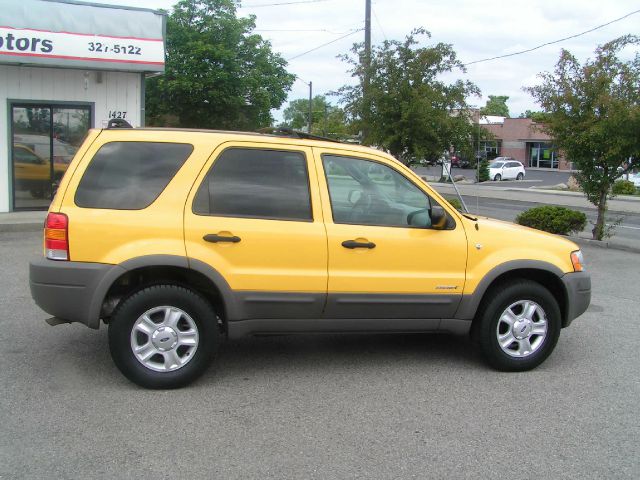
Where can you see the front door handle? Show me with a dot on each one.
(355, 244)
(214, 238)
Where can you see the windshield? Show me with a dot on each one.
(496, 165)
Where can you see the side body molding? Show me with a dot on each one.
(231, 306)
(471, 301)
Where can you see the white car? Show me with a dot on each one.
(633, 177)
(505, 168)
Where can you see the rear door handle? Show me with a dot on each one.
(214, 238)
(354, 244)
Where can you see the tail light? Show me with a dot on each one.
(56, 238)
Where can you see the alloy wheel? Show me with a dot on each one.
(522, 328)
(164, 338)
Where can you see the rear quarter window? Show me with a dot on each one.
(130, 175)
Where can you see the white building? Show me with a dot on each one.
(65, 67)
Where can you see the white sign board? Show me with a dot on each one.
(26, 45)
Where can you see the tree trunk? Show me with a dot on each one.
(598, 229)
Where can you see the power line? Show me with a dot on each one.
(325, 44)
(553, 42)
(281, 3)
(301, 30)
(378, 22)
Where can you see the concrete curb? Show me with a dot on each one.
(588, 242)
(20, 227)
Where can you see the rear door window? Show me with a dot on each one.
(130, 175)
(256, 183)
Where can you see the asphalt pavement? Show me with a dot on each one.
(325, 406)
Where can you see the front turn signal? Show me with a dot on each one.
(577, 259)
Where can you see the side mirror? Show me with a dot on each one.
(438, 218)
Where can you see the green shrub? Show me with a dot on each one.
(455, 203)
(553, 219)
(484, 171)
(624, 187)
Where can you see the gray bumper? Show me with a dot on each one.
(71, 291)
(578, 288)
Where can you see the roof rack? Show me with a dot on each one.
(288, 132)
(118, 123)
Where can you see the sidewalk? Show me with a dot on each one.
(628, 204)
(22, 221)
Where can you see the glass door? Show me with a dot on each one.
(45, 139)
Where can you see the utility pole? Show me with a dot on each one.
(324, 127)
(367, 66)
(310, 107)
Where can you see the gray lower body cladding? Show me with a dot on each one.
(578, 295)
(71, 291)
(75, 291)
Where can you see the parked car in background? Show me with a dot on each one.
(633, 177)
(459, 161)
(506, 168)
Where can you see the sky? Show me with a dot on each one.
(476, 29)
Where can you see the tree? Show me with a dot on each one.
(483, 171)
(594, 116)
(414, 113)
(327, 119)
(537, 117)
(496, 105)
(218, 73)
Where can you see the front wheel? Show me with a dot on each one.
(520, 176)
(519, 326)
(163, 336)
(498, 177)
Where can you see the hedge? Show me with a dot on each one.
(624, 187)
(553, 219)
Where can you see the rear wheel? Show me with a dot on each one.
(498, 177)
(520, 176)
(163, 336)
(519, 326)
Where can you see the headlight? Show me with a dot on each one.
(578, 261)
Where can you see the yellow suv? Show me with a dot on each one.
(177, 239)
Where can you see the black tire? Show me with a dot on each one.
(520, 176)
(131, 309)
(485, 328)
(497, 178)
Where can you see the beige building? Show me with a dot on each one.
(524, 140)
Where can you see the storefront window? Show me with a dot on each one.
(542, 155)
(490, 149)
(45, 139)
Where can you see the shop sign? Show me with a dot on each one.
(29, 46)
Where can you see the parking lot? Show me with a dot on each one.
(322, 407)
